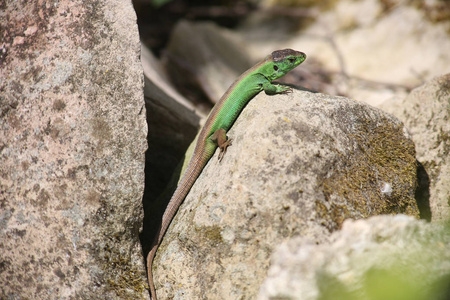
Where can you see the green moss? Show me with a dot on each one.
(212, 234)
(382, 156)
(124, 280)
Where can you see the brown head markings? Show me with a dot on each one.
(281, 54)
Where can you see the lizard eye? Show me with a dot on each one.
(291, 60)
(275, 68)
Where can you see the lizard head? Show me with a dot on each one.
(282, 61)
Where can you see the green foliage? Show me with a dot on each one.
(396, 283)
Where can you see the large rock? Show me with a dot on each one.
(383, 257)
(426, 113)
(72, 143)
(299, 165)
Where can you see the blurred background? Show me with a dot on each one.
(369, 50)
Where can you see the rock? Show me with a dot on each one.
(426, 114)
(206, 55)
(72, 143)
(300, 164)
(383, 257)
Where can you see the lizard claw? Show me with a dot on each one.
(287, 91)
(223, 149)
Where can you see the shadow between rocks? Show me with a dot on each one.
(422, 194)
(168, 137)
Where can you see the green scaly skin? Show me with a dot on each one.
(213, 134)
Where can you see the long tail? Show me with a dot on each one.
(193, 171)
(176, 200)
(150, 257)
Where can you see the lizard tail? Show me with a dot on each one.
(195, 167)
(150, 257)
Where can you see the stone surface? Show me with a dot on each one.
(426, 113)
(383, 257)
(299, 165)
(206, 55)
(72, 143)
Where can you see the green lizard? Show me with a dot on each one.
(221, 118)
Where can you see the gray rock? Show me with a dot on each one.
(383, 257)
(72, 143)
(299, 165)
(206, 55)
(426, 114)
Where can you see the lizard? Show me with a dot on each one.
(214, 132)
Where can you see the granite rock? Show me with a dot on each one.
(426, 114)
(300, 164)
(72, 143)
(383, 257)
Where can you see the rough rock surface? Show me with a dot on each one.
(408, 258)
(72, 143)
(426, 114)
(299, 165)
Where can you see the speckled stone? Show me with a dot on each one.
(300, 164)
(72, 143)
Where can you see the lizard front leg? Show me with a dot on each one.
(272, 89)
(220, 138)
